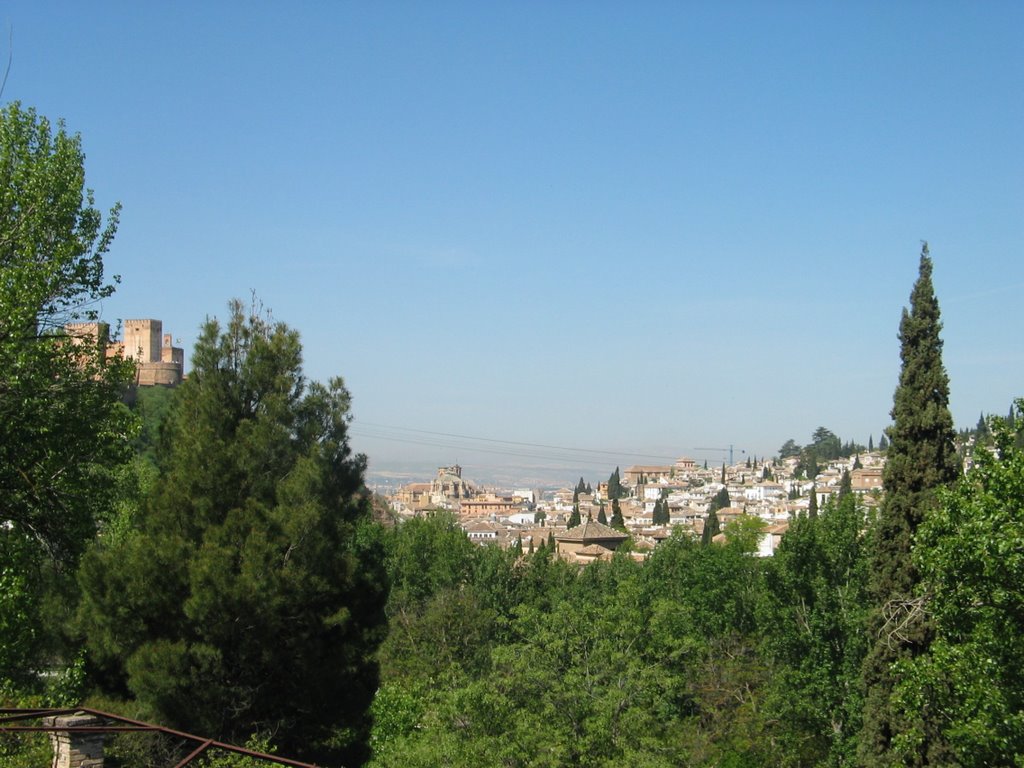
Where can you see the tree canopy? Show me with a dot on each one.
(253, 590)
(63, 430)
(969, 554)
(61, 423)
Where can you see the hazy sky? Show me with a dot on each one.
(642, 228)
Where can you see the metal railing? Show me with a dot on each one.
(9, 716)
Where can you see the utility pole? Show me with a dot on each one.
(728, 450)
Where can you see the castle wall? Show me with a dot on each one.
(143, 340)
(159, 374)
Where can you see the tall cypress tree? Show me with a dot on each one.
(574, 518)
(846, 484)
(921, 458)
(711, 527)
(615, 485)
(617, 520)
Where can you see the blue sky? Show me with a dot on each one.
(640, 228)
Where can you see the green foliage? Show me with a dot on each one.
(789, 448)
(845, 484)
(970, 554)
(826, 444)
(426, 555)
(813, 612)
(615, 490)
(19, 606)
(744, 533)
(617, 520)
(720, 500)
(23, 750)
(600, 668)
(661, 515)
(225, 759)
(397, 711)
(921, 459)
(62, 427)
(808, 464)
(449, 602)
(253, 589)
(63, 431)
(712, 527)
(152, 406)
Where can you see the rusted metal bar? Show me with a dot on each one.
(10, 715)
(195, 753)
(78, 728)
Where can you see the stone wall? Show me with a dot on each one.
(73, 749)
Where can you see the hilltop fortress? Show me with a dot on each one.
(157, 361)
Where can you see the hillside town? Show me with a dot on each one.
(770, 492)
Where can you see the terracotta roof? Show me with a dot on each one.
(594, 550)
(592, 530)
(482, 525)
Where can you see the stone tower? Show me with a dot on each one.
(143, 339)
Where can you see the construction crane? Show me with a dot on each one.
(728, 450)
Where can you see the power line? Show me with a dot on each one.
(619, 454)
(547, 457)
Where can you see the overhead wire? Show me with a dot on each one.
(516, 448)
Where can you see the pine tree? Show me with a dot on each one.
(602, 518)
(871, 443)
(883, 443)
(812, 506)
(257, 581)
(921, 458)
